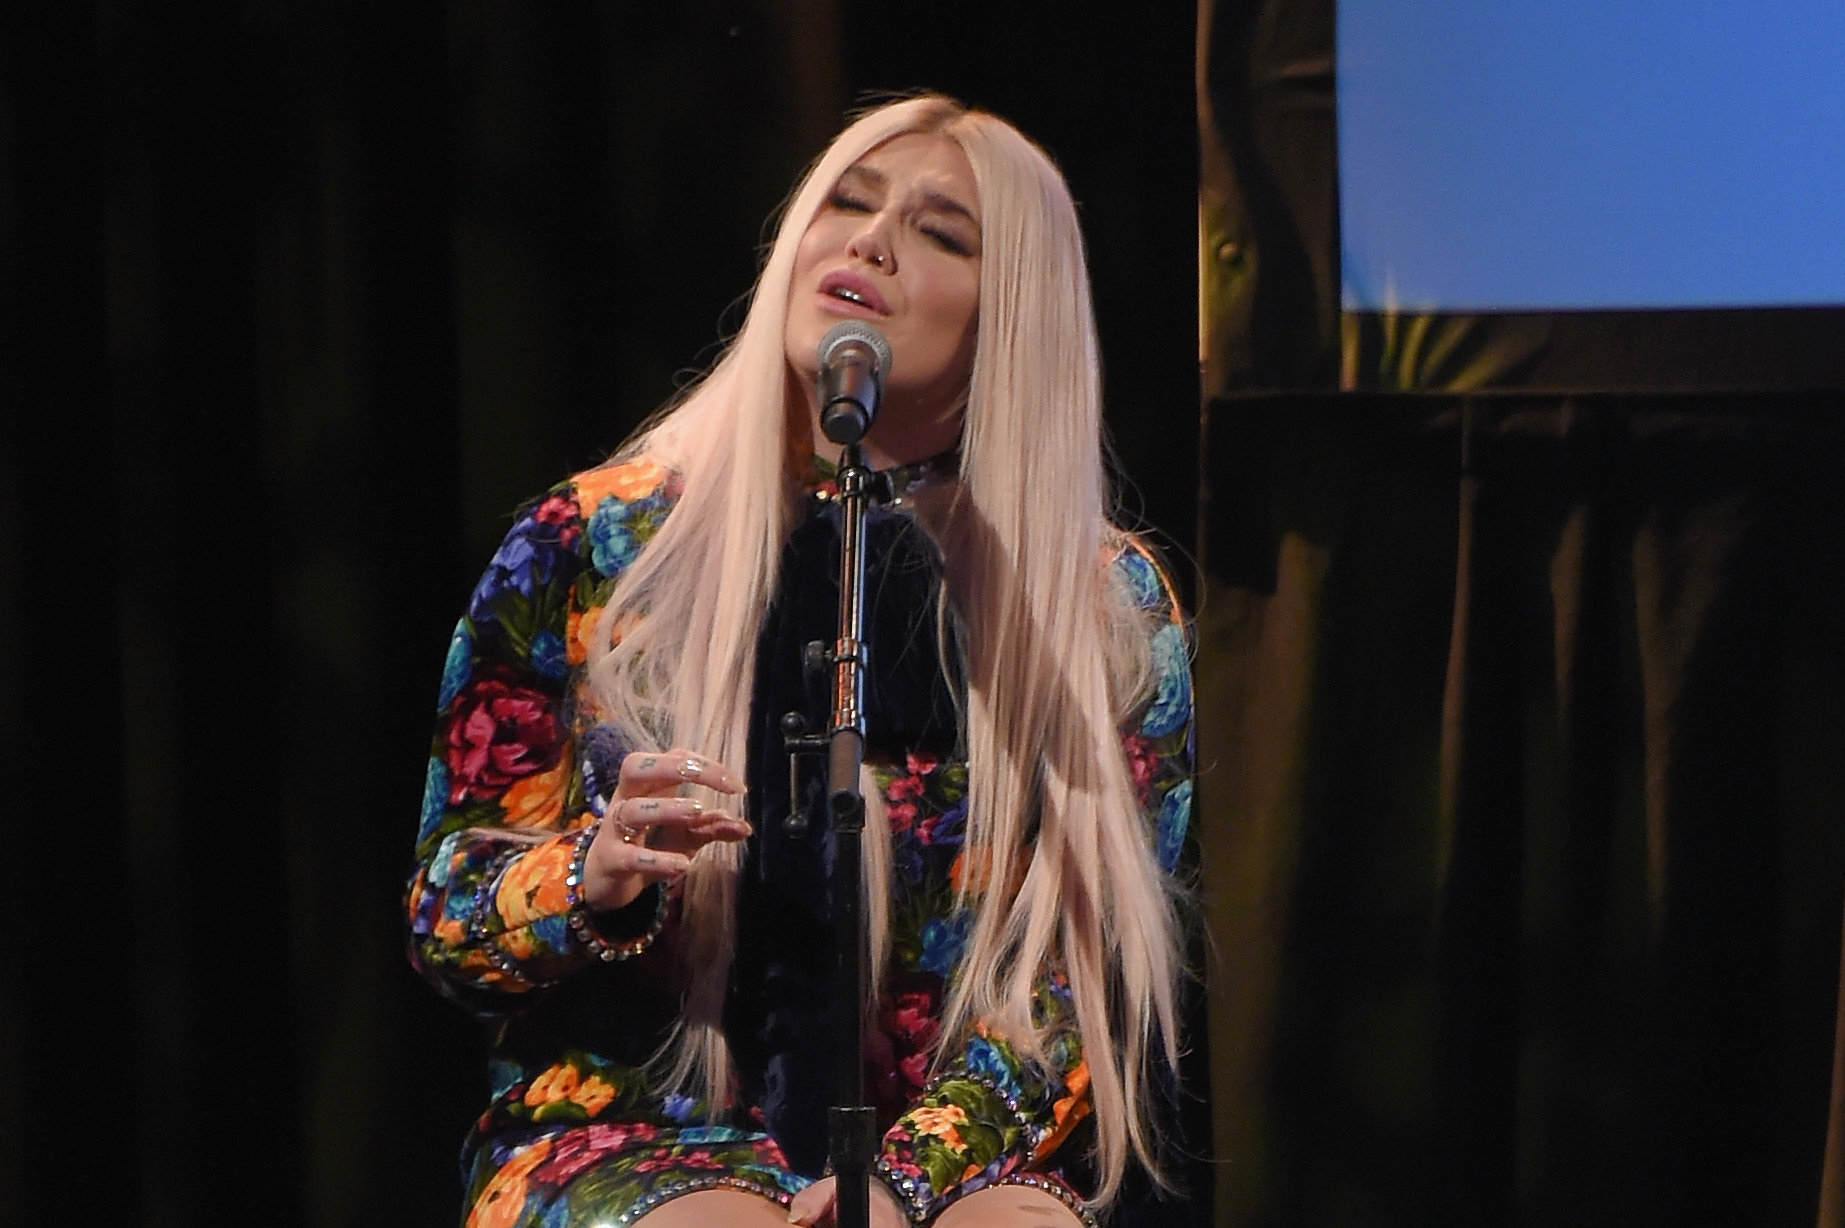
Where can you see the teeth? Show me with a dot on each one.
(851, 296)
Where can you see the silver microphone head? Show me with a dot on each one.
(854, 330)
(854, 359)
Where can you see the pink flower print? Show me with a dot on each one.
(1141, 760)
(905, 788)
(901, 815)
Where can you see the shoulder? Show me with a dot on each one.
(1137, 568)
(631, 480)
(1143, 583)
(621, 505)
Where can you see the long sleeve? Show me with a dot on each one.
(989, 1112)
(508, 786)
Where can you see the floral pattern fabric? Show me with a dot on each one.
(576, 1129)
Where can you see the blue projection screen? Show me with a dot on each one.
(1591, 154)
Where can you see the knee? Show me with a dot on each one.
(1008, 1206)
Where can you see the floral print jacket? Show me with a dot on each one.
(511, 783)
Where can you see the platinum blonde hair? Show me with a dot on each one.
(1055, 652)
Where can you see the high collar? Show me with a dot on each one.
(821, 476)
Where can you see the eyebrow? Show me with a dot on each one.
(933, 199)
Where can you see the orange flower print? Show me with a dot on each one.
(577, 626)
(558, 1083)
(536, 800)
(592, 1095)
(939, 1123)
(627, 482)
(519, 943)
(580, 632)
(972, 870)
(533, 886)
(500, 1204)
(1066, 1112)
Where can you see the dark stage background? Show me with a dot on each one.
(1521, 662)
(298, 301)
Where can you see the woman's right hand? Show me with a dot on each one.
(649, 833)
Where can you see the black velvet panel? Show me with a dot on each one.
(780, 1012)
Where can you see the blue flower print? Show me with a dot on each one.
(1175, 815)
(1142, 579)
(694, 1136)
(456, 668)
(435, 797)
(1172, 696)
(940, 829)
(458, 907)
(532, 555)
(988, 1062)
(942, 942)
(554, 932)
(680, 1108)
(548, 654)
(443, 862)
(611, 544)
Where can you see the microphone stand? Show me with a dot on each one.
(851, 1123)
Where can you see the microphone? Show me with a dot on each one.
(854, 358)
(602, 755)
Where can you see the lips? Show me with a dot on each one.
(854, 294)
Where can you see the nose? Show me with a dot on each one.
(872, 244)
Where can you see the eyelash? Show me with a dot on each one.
(947, 241)
(847, 203)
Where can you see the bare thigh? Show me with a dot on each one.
(1008, 1206)
(716, 1209)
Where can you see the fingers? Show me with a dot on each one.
(813, 1206)
(682, 823)
(646, 772)
(617, 852)
(649, 833)
(617, 870)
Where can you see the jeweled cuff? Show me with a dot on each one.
(582, 918)
(914, 1195)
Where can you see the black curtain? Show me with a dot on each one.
(1522, 731)
(297, 302)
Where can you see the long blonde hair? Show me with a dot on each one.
(1055, 653)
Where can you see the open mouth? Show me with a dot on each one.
(843, 287)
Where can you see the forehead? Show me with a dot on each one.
(921, 161)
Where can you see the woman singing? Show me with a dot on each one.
(607, 869)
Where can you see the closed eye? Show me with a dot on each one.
(948, 240)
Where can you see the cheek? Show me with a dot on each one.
(954, 300)
(806, 255)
